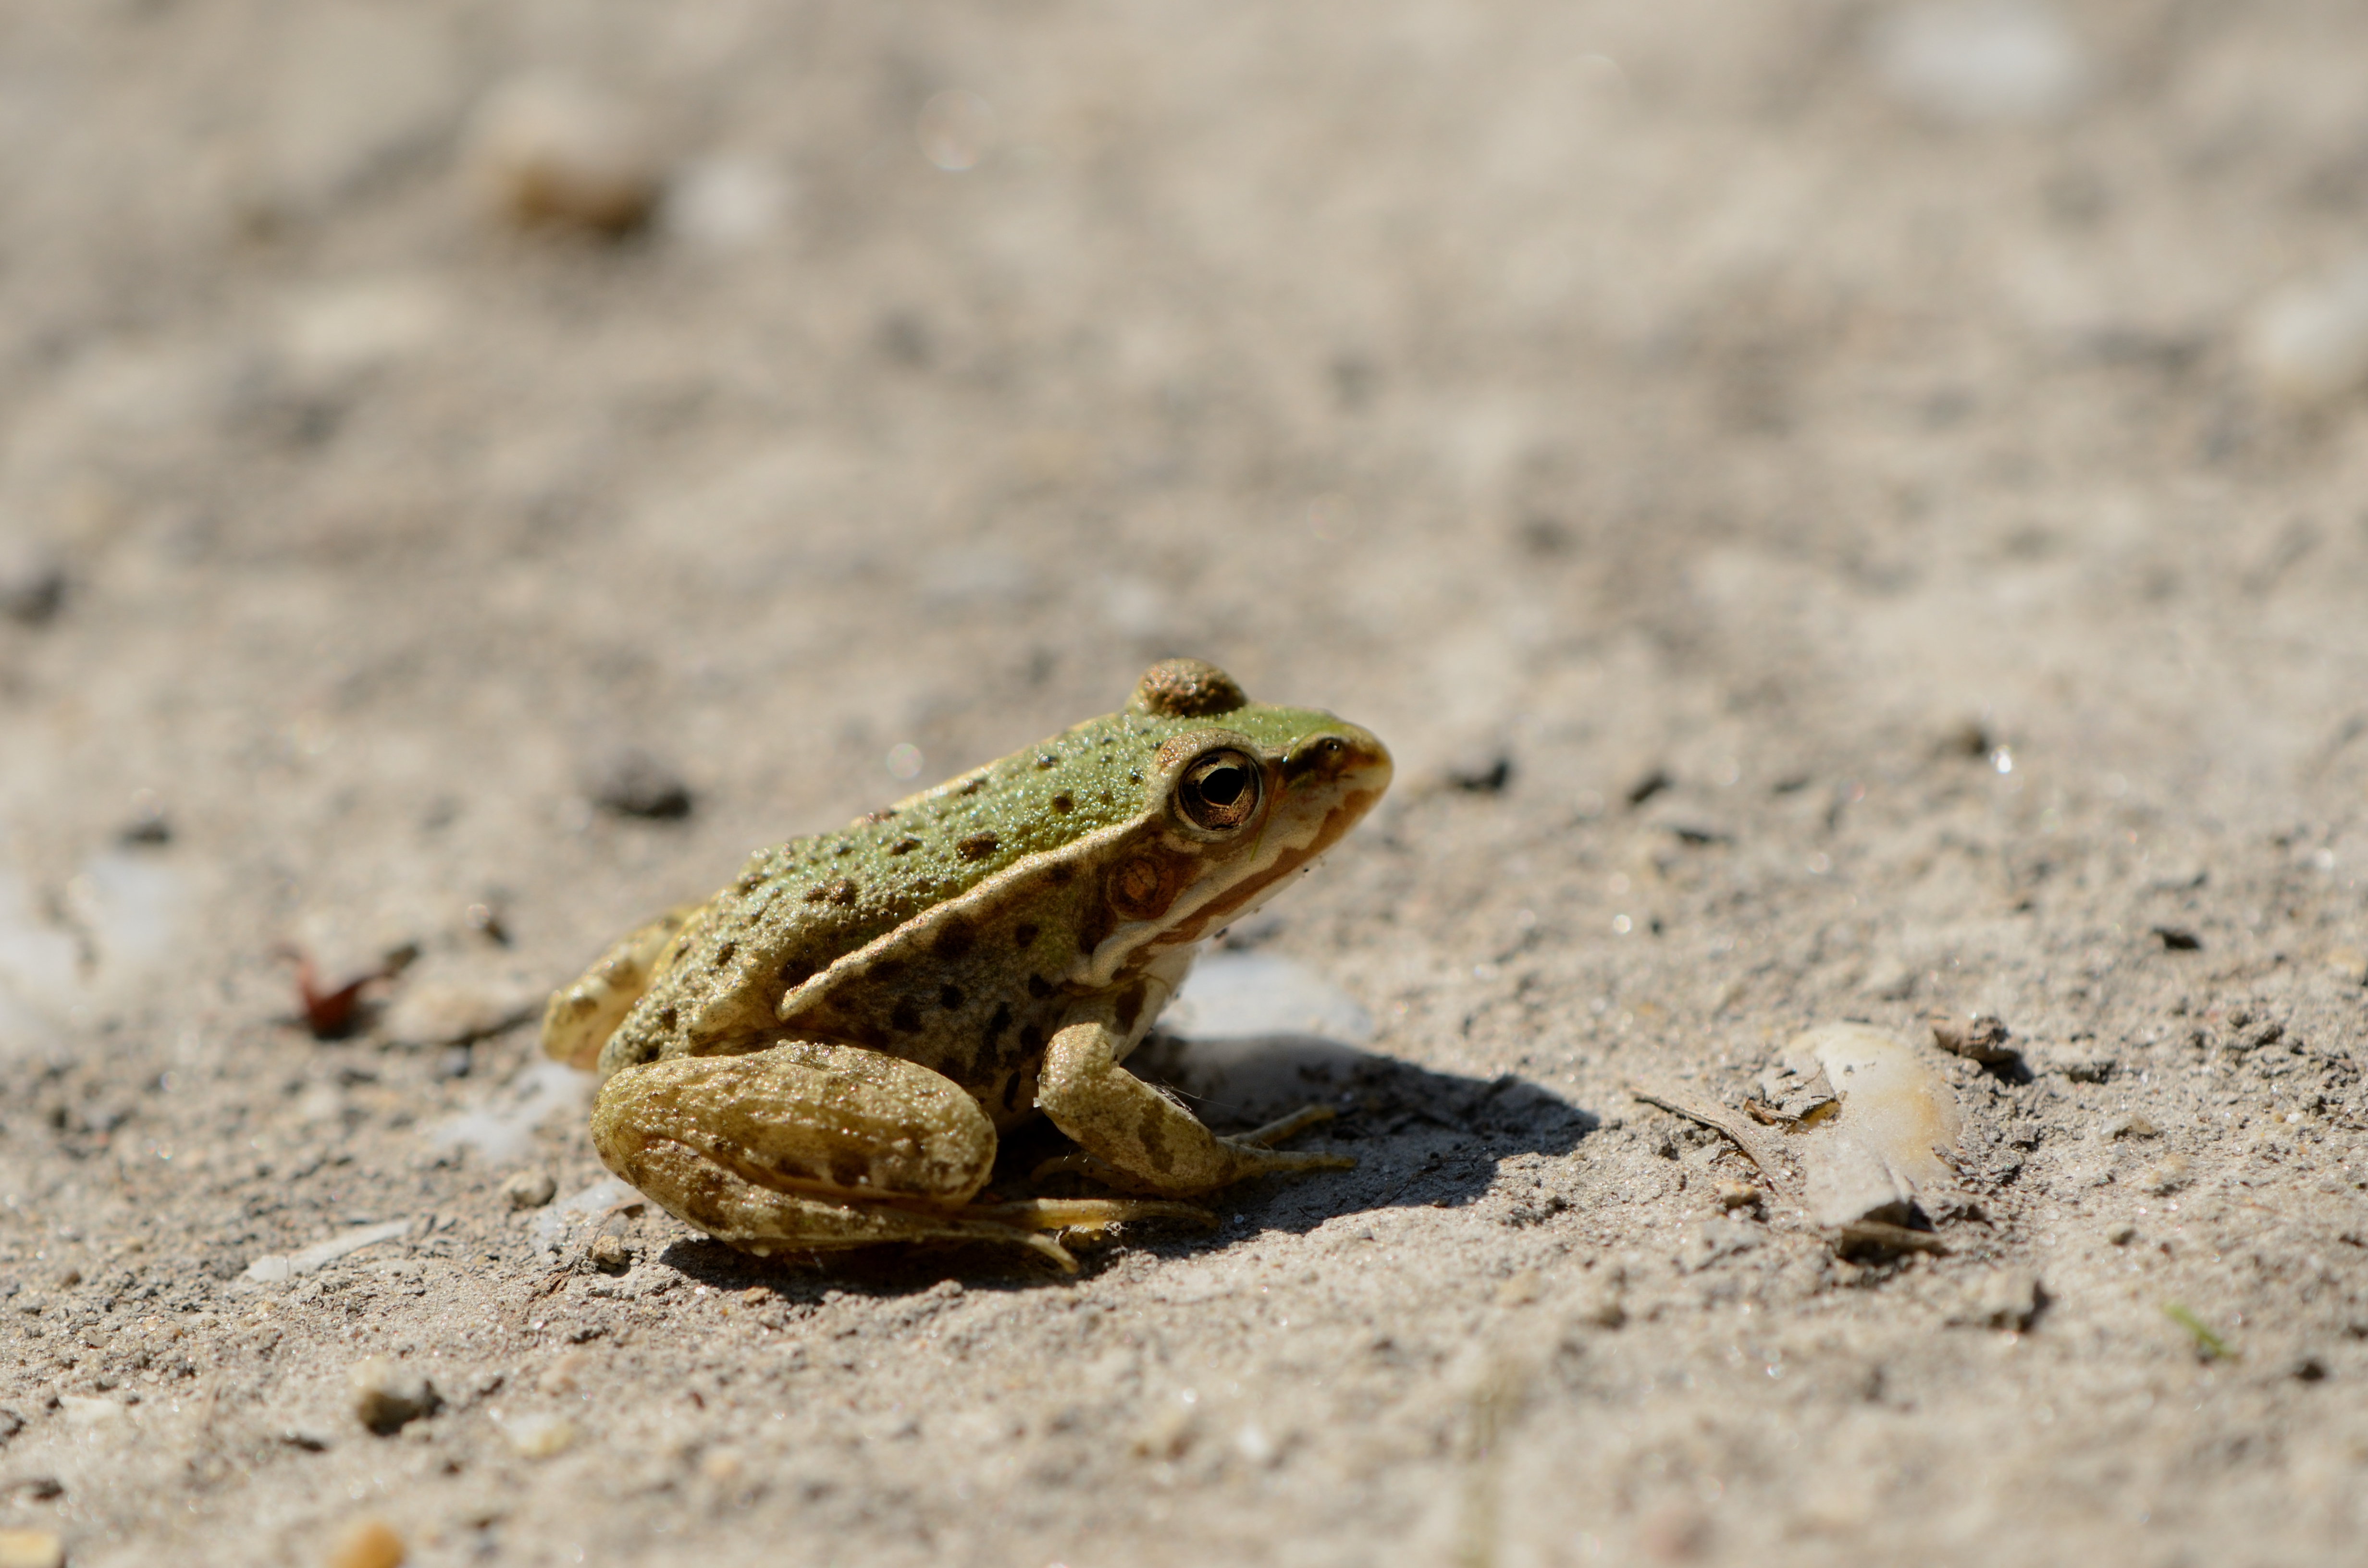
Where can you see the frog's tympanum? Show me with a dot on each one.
(823, 1053)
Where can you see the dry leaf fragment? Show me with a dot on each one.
(1870, 1159)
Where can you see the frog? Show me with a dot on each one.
(826, 1054)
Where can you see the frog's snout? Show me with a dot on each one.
(1344, 759)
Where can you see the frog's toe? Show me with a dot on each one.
(1254, 1161)
(1039, 1214)
(1274, 1133)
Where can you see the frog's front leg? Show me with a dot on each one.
(805, 1146)
(1153, 1144)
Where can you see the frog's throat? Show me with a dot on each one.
(1214, 902)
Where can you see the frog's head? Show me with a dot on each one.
(1238, 797)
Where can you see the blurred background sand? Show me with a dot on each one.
(1840, 509)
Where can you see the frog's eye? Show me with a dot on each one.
(1219, 791)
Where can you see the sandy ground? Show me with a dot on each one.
(1796, 497)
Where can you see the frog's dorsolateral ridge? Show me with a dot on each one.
(821, 1054)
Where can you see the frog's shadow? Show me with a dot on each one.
(1421, 1139)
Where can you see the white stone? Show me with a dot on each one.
(2309, 343)
(1977, 61)
(723, 204)
(357, 326)
(1238, 995)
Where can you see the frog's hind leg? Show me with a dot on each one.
(578, 1020)
(806, 1147)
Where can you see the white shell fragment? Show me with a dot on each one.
(1883, 1147)
(2308, 344)
(274, 1269)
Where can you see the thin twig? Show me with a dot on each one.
(1736, 1131)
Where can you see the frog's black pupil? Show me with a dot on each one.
(1220, 791)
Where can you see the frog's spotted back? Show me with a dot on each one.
(1186, 688)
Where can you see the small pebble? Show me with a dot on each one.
(2169, 1176)
(368, 1543)
(2009, 1300)
(2129, 1124)
(1602, 1307)
(722, 204)
(1167, 1433)
(1519, 1290)
(555, 154)
(560, 1377)
(2083, 1062)
(1737, 1194)
(388, 1396)
(32, 586)
(609, 1255)
(540, 1436)
(2121, 1235)
(530, 1189)
(443, 1011)
(1979, 1037)
(632, 783)
(31, 1549)
(1254, 1446)
(2308, 344)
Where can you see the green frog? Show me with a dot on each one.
(824, 1053)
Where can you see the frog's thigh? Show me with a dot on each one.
(1123, 1121)
(580, 1019)
(801, 1145)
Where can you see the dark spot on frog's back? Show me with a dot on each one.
(841, 893)
(905, 1017)
(955, 938)
(1039, 987)
(1063, 804)
(977, 846)
(1024, 935)
(1032, 1039)
(950, 998)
